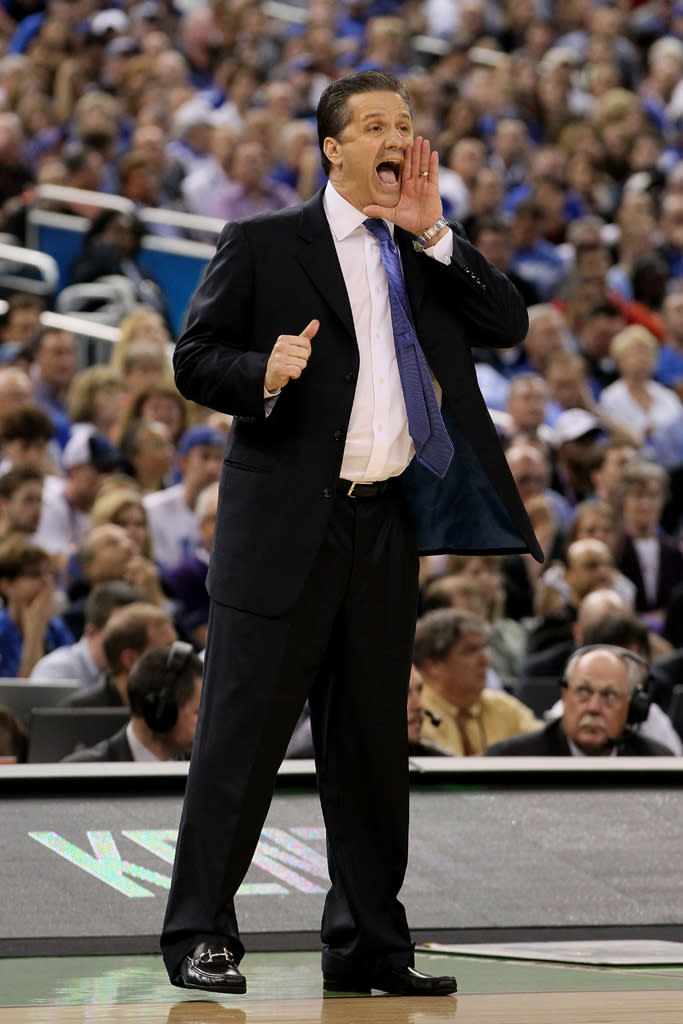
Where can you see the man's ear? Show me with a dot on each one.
(332, 150)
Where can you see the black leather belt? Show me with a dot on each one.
(354, 490)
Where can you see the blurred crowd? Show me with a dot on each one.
(559, 129)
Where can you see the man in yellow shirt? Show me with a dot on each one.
(450, 651)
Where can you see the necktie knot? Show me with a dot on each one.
(377, 228)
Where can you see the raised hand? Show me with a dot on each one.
(419, 205)
(289, 357)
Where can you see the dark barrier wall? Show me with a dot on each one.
(496, 861)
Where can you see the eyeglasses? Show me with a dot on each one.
(612, 698)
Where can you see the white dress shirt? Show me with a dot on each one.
(378, 445)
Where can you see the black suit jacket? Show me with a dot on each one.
(114, 748)
(669, 577)
(550, 741)
(271, 275)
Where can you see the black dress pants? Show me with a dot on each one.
(347, 646)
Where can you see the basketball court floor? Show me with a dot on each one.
(284, 988)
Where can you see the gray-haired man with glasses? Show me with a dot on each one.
(603, 697)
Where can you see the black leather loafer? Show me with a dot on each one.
(403, 981)
(212, 968)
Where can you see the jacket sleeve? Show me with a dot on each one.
(215, 361)
(487, 304)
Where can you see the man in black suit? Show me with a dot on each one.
(163, 692)
(601, 686)
(322, 513)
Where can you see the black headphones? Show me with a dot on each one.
(639, 704)
(160, 710)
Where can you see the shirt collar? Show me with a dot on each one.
(342, 217)
(139, 751)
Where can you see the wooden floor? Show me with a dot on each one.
(285, 989)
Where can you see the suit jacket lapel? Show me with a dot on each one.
(318, 257)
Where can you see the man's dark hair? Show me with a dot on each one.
(16, 477)
(105, 598)
(127, 629)
(437, 633)
(17, 554)
(620, 630)
(150, 673)
(333, 113)
(494, 224)
(29, 423)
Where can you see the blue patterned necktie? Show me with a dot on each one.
(433, 446)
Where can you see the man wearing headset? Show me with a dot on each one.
(603, 696)
(164, 688)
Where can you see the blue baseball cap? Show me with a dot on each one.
(200, 434)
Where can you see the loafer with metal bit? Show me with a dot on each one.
(401, 981)
(210, 967)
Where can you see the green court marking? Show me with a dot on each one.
(120, 980)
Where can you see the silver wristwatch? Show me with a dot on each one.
(426, 236)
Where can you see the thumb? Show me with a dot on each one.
(311, 330)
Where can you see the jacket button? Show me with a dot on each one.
(338, 435)
(327, 492)
(349, 377)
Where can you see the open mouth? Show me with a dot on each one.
(389, 172)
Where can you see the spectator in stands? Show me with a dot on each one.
(55, 363)
(25, 436)
(143, 324)
(491, 236)
(143, 366)
(21, 322)
(249, 189)
(594, 327)
(201, 185)
(651, 559)
(507, 638)
(84, 661)
(534, 258)
(576, 438)
(111, 246)
(164, 688)
(67, 502)
(550, 661)
(21, 497)
(610, 463)
(566, 374)
(417, 745)
(532, 471)
(526, 407)
(450, 651)
(147, 447)
(129, 632)
(172, 518)
(590, 566)
(123, 506)
(669, 370)
(623, 629)
(29, 627)
(636, 400)
(107, 553)
(16, 389)
(95, 397)
(598, 689)
(547, 335)
(164, 404)
(186, 581)
(13, 738)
